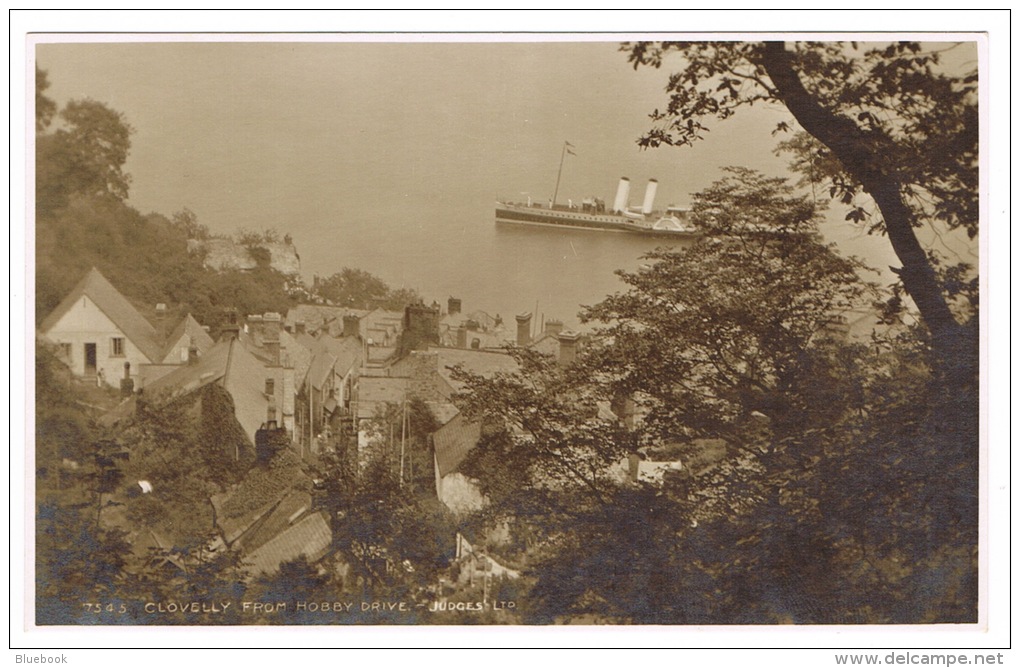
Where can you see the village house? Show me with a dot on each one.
(271, 517)
(476, 330)
(101, 336)
(327, 389)
(231, 366)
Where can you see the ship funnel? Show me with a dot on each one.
(653, 185)
(622, 195)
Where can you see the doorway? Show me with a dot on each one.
(90, 359)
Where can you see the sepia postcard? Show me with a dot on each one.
(649, 330)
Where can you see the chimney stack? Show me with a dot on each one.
(352, 325)
(553, 327)
(272, 323)
(299, 327)
(524, 329)
(232, 328)
(192, 355)
(568, 347)
(127, 384)
(452, 306)
(622, 195)
(653, 185)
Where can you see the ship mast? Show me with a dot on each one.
(566, 149)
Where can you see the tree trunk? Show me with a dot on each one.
(861, 154)
(954, 406)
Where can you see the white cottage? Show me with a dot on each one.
(101, 335)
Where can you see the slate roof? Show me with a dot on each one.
(317, 316)
(199, 337)
(231, 365)
(275, 522)
(309, 537)
(320, 368)
(483, 362)
(262, 490)
(117, 308)
(376, 391)
(453, 441)
(347, 350)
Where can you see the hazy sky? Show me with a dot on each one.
(303, 136)
(247, 134)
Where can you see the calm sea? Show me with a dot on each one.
(459, 251)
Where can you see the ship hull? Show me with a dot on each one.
(522, 215)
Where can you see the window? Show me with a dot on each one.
(65, 351)
(270, 386)
(117, 347)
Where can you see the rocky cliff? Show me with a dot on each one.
(223, 254)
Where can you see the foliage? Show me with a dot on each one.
(395, 540)
(75, 562)
(263, 484)
(899, 123)
(732, 324)
(356, 288)
(45, 108)
(541, 430)
(222, 445)
(85, 156)
(824, 504)
(186, 221)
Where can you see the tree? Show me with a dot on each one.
(903, 130)
(84, 157)
(356, 288)
(45, 108)
(541, 431)
(733, 324)
(395, 541)
(811, 489)
(893, 123)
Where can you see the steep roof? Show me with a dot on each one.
(199, 337)
(231, 365)
(257, 496)
(210, 368)
(318, 316)
(482, 362)
(347, 350)
(375, 391)
(116, 307)
(310, 537)
(453, 441)
(320, 368)
(278, 520)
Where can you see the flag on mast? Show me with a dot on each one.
(569, 146)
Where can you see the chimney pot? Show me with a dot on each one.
(524, 329)
(352, 325)
(568, 347)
